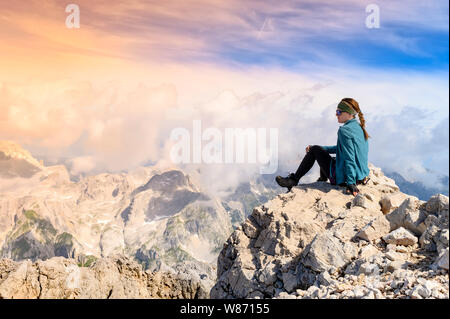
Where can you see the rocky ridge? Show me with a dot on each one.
(107, 278)
(317, 242)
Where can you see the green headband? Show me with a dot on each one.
(344, 106)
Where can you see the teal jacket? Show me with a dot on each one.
(352, 152)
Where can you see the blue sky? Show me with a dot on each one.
(395, 45)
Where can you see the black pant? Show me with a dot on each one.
(323, 158)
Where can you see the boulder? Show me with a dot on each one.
(389, 202)
(397, 216)
(400, 236)
(436, 235)
(443, 259)
(414, 221)
(437, 203)
(367, 251)
(326, 252)
(375, 229)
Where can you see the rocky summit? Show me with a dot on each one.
(318, 242)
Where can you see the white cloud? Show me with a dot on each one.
(81, 164)
(405, 143)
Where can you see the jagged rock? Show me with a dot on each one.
(414, 221)
(442, 260)
(268, 275)
(112, 277)
(437, 203)
(369, 269)
(326, 252)
(325, 279)
(368, 251)
(290, 281)
(408, 215)
(378, 178)
(400, 236)
(429, 236)
(375, 229)
(306, 231)
(423, 290)
(360, 200)
(436, 235)
(391, 202)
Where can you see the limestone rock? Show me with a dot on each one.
(324, 253)
(436, 235)
(375, 229)
(414, 221)
(360, 200)
(325, 279)
(437, 203)
(400, 236)
(368, 251)
(389, 202)
(394, 256)
(369, 269)
(409, 206)
(443, 259)
(423, 290)
(113, 277)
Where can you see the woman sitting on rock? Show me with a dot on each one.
(350, 167)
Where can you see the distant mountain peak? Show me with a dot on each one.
(16, 161)
(14, 150)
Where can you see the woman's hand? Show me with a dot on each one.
(352, 189)
(307, 148)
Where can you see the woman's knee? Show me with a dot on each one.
(315, 148)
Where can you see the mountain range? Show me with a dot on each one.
(161, 218)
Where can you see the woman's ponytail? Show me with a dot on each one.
(362, 121)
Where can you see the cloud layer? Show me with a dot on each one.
(118, 127)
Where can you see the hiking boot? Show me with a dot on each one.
(288, 182)
(322, 179)
(364, 181)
